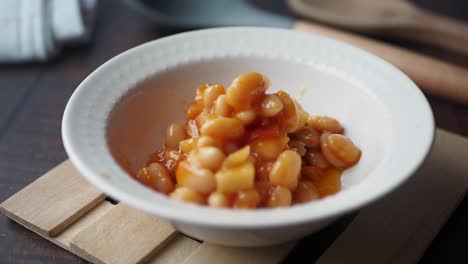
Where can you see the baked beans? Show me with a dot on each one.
(244, 148)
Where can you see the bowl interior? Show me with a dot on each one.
(137, 124)
(119, 113)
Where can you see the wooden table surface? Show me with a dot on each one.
(33, 97)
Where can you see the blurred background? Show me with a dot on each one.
(47, 47)
(39, 30)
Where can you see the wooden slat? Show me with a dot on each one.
(123, 235)
(399, 228)
(176, 251)
(53, 201)
(64, 238)
(209, 253)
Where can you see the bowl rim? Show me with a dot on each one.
(227, 218)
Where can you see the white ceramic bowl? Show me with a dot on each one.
(131, 99)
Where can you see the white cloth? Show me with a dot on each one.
(32, 30)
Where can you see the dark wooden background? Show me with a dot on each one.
(33, 97)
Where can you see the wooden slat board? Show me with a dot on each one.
(397, 229)
(64, 238)
(123, 235)
(176, 251)
(209, 253)
(53, 201)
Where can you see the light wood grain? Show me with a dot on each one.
(123, 235)
(209, 253)
(402, 19)
(399, 228)
(53, 201)
(64, 238)
(432, 75)
(176, 251)
(437, 30)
